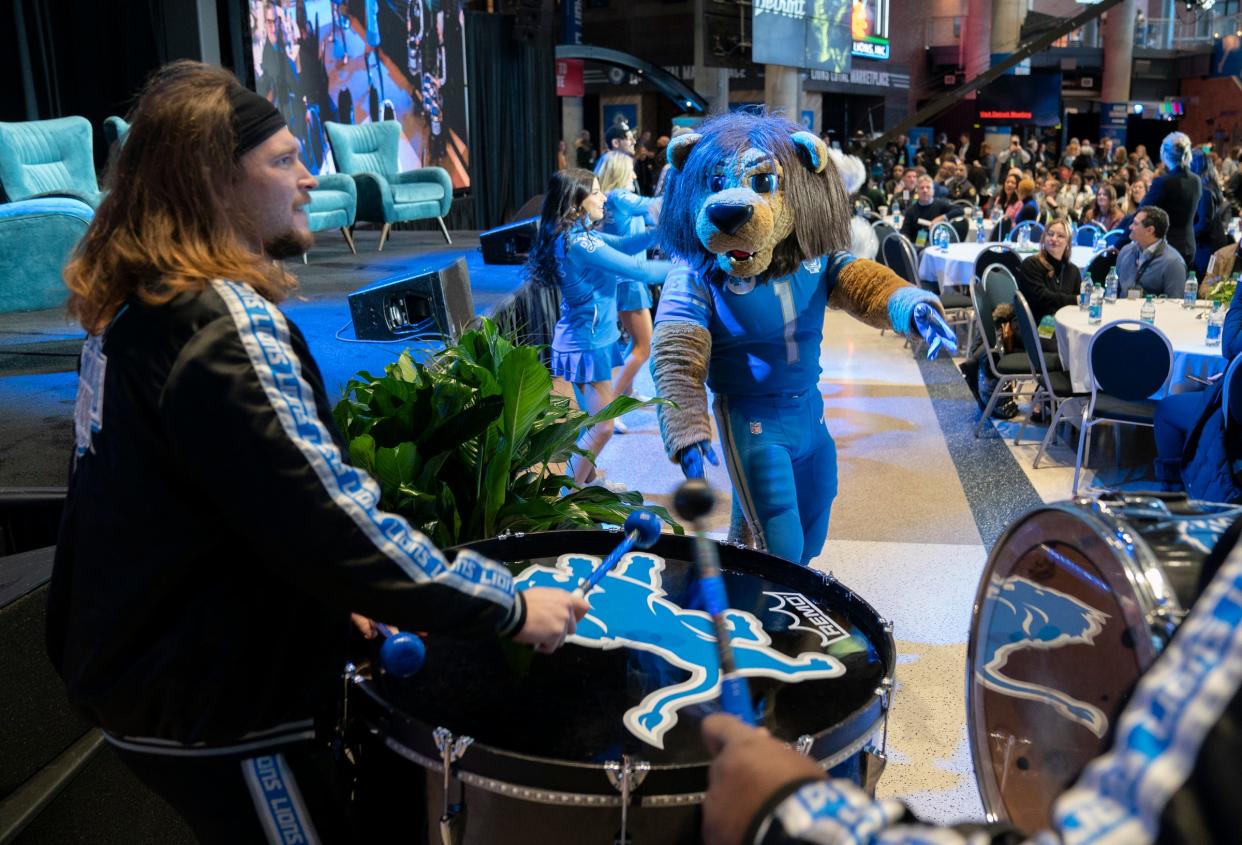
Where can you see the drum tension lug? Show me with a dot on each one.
(451, 750)
(885, 692)
(874, 761)
(625, 777)
(803, 744)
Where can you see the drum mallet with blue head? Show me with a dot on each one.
(402, 653)
(642, 529)
(693, 501)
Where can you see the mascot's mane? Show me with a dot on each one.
(819, 203)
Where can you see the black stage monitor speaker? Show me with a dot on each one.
(409, 303)
(509, 244)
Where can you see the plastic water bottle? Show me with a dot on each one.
(980, 236)
(1111, 283)
(1148, 313)
(1095, 311)
(1084, 294)
(1216, 325)
(1024, 238)
(1192, 291)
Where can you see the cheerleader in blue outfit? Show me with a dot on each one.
(627, 213)
(585, 264)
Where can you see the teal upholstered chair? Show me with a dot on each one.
(48, 158)
(36, 238)
(115, 129)
(333, 206)
(368, 152)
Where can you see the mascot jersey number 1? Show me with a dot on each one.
(758, 220)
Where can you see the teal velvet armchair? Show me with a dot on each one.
(333, 206)
(41, 158)
(36, 238)
(368, 152)
(115, 129)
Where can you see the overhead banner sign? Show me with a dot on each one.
(869, 29)
(569, 78)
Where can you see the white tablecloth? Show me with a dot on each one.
(1191, 354)
(955, 265)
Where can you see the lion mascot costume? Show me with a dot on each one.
(758, 222)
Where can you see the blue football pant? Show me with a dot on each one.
(783, 465)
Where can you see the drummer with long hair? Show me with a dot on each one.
(213, 522)
(570, 254)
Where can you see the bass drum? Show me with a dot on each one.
(603, 735)
(1077, 601)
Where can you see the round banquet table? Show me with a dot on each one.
(1187, 334)
(955, 265)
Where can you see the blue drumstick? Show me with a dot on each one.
(642, 529)
(693, 501)
(402, 653)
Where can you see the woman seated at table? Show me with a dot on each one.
(1104, 211)
(1194, 449)
(1048, 279)
(1006, 200)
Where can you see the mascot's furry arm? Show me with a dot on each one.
(680, 352)
(879, 297)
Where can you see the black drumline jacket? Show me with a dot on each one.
(215, 537)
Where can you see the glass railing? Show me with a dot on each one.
(1189, 32)
(1181, 33)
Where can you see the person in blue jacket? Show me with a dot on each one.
(626, 213)
(1190, 428)
(584, 264)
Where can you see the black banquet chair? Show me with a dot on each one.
(1011, 370)
(1098, 267)
(1001, 254)
(1052, 382)
(1121, 392)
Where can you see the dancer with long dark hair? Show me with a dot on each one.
(584, 264)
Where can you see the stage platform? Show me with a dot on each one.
(39, 350)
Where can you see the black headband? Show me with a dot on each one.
(254, 119)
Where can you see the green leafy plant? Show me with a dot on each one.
(463, 445)
(1222, 291)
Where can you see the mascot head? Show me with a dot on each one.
(752, 195)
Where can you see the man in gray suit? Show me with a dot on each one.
(1148, 262)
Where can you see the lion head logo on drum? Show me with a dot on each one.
(629, 610)
(752, 195)
(1028, 616)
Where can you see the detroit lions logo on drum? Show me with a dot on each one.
(629, 610)
(1028, 616)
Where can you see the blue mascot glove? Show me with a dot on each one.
(934, 330)
(692, 458)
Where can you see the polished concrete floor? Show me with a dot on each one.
(921, 502)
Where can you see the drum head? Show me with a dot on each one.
(1058, 641)
(632, 682)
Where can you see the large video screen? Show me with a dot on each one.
(366, 60)
(1033, 100)
(811, 34)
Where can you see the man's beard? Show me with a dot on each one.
(288, 244)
